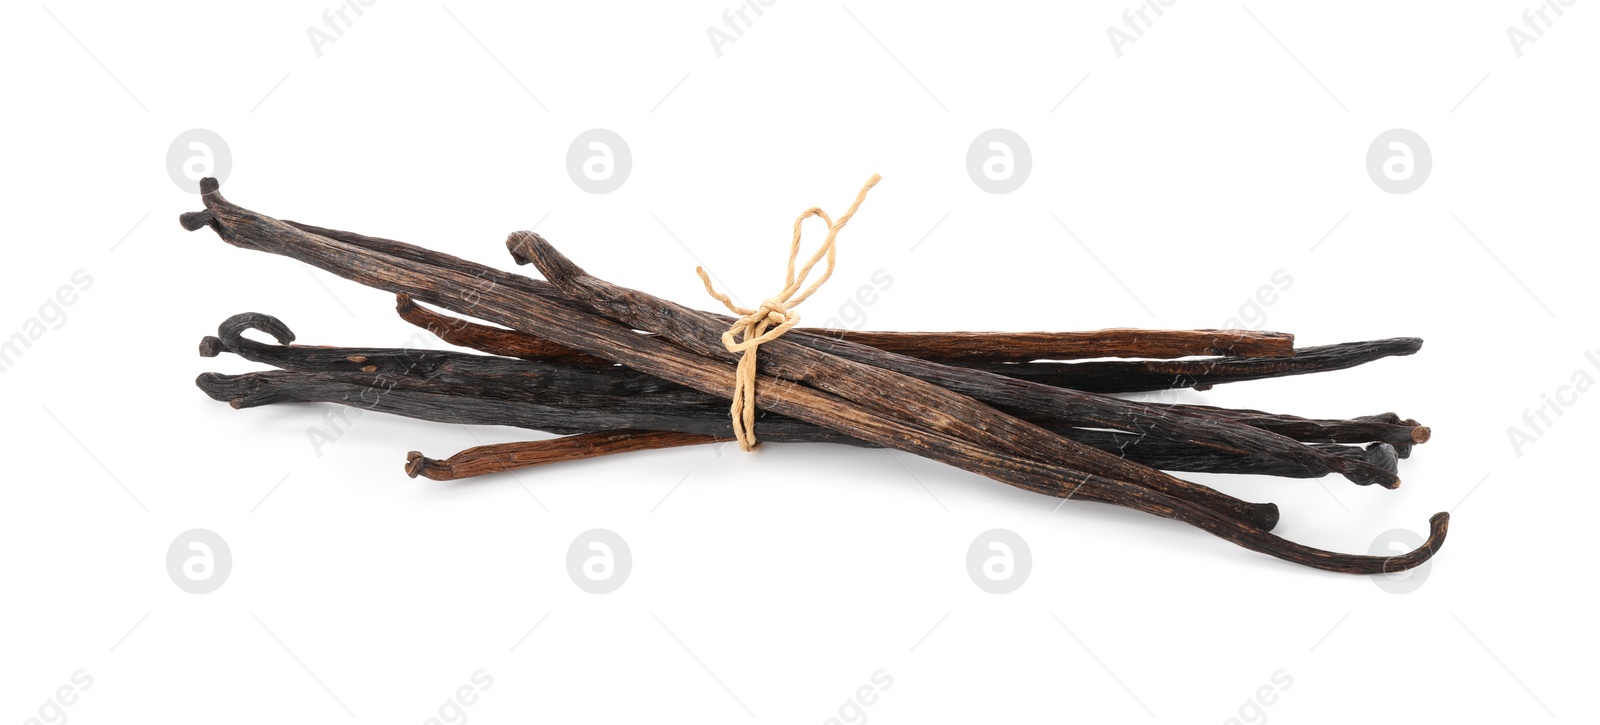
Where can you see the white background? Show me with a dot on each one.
(1221, 147)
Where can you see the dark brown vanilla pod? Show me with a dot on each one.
(501, 372)
(950, 347)
(986, 388)
(494, 400)
(876, 389)
(1101, 376)
(552, 411)
(1073, 408)
(1024, 397)
(926, 391)
(624, 392)
(439, 366)
(476, 290)
(958, 347)
(231, 338)
(1018, 347)
(408, 270)
(1139, 376)
(513, 301)
(1271, 545)
(1388, 428)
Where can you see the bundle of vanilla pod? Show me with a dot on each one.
(565, 355)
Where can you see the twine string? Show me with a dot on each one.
(775, 315)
